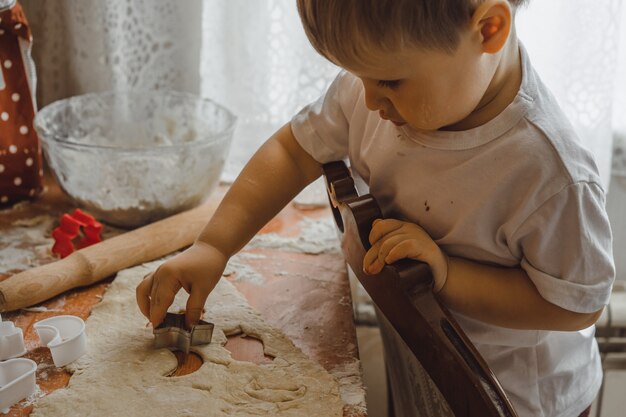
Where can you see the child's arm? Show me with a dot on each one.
(506, 297)
(276, 173)
(501, 296)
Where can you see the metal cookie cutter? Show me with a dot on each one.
(172, 333)
(17, 381)
(11, 340)
(65, 336)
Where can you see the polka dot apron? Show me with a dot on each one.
(20, 152)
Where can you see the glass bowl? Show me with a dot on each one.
(130, 158)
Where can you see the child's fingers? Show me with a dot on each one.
(407, 248)
(387, 243)
(195, 305)
(164, 289)
(382, 227)
(142, 293)
(378, 255)
(373, 267)
(370, 258)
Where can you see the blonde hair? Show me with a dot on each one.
(348, 30)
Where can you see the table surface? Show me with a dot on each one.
(306, 296)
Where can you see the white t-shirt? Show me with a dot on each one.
(518, 191)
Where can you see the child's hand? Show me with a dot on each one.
(393, 240)
(197, 270)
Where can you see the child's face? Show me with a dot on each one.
(428, 89)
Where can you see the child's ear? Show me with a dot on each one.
(492, 20)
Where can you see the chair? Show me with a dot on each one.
(462, 383)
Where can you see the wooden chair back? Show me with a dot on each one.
(403, 294)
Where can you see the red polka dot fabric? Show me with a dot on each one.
(21, 171)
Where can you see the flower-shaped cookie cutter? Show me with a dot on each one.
(172, 333)
(78, 224)
(11, 340)
(17, 381)
(64, 336)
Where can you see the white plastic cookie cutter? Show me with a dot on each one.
(11, 340)
(64, 336)
(17, 381)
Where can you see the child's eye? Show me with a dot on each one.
(388, 83)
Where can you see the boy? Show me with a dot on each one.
(476, 169)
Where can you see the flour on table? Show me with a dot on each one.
(40, 309)
(316, 236)
(244, 272)
(351, 386)
(28, 243)
(122, 374)
(33, 398)
(25, 244)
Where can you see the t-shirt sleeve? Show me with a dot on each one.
(321, 128)
(567, 248)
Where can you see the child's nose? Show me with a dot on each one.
(371, 98)
(375, 99)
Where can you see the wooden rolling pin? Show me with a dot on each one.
(96, 262)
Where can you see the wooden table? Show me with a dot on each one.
(306, 296)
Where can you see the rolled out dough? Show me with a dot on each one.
(123, 375)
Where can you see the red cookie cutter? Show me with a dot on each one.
(78, 224)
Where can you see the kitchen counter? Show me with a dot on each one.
(304, 293)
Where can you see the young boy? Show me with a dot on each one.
(477, 172)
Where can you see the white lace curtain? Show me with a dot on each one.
(253, 57)
(575, 46)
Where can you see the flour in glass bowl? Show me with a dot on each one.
(136, 157)
(136, 188)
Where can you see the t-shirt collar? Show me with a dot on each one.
(493, 129)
